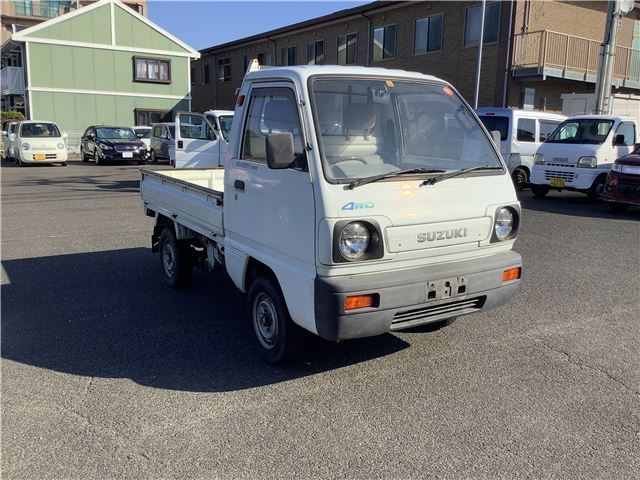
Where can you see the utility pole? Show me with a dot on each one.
(607, 59)
(475, 98)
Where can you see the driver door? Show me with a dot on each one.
(196, 142)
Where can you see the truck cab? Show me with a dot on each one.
(580, 153)
(201, 140)
(353, 201)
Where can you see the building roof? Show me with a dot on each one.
(341, 14)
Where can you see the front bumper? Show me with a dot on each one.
(622, 188)
(573, 178)
(114, 155)
(404, 296)
(31, 156)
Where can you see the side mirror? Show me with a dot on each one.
(495, 134)
(618, 140)
(279, 150)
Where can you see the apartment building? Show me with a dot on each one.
(533, 51)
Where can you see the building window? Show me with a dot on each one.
(224, 69)
(193, 75)
(149, 117)
(288, 56)
(491, 24)
(264, 58)
(428, 34)
(315, 53)
(154, 70)
(347, 49)
(205, 74)
(384, 43)
(526, 130)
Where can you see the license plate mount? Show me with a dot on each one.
(557, 182)
(447, 288)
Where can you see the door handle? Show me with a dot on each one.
(238, 185)
(180, 143)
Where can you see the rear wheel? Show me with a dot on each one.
(540, 190)
(278, 339)
(175, 259)
(597, 188)
(520, 178)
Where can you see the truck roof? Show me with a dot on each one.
(303, 72)
(519, 111)
(220, 112)
(604, 117)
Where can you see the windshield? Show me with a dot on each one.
(29, 130)
(589, 130)
(500, 124)
(142, 132)
(115, 133)
(225, 125)
(370, 127)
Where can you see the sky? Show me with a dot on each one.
(202, 24)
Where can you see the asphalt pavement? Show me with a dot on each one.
(108, 373)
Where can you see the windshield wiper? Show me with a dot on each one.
(445, 176)
(375, 178)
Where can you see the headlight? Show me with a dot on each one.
(61, 146)
(538, 159)
(587, 162)
(354, 241)
(104, 146)
(626, 169)
(26, 146)
(616, 167)
(504, 223)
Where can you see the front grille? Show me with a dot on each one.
(629, 190)
(48, 156)
(549, 174)
(566, 165)
(125, 148)
(430, 313)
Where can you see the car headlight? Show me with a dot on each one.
(538, 159)
(26, 146)
(61, 146)
(504, 223)
(587, 162)
(616, 167)
(104, 146)
(354, 241)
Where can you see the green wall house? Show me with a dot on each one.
(103, 64)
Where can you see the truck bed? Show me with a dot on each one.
(193, 197)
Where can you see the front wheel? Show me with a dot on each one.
(278, 339)
(96, 154)
(520, 178)
(618, 207)
(63, 164)
(175, 259)
(597, 188)
(540, 190)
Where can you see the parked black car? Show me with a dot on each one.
(104, 144)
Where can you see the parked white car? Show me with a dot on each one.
(202, 140)
(521, 134)
(144, 134)
(355, 201)
(39, 142)
(580, 153)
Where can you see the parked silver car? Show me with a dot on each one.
(163, 142)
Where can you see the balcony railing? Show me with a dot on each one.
(38, 9)
(560, 55)
(12, 81)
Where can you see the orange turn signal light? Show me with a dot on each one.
(360, 301)
(511, 274)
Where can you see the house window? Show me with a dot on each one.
(149, 117)
(193, 75)
(315, 53)
(384, 43)
(491, 24)
(154, 70)
(288, 56)
(347, 49)
(224, 69)
(264, 58)
(205, 74)
(428, 34)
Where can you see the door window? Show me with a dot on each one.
(629, 132)
(546, 129)
(271, 110)
(526, 130)
(195, 127)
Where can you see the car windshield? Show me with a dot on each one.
(115, 133)
(28, 130)
(589, 130)
(225, 125)
(142, 132)
(373, 127)
(500, 124)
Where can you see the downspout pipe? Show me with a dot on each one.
(368, 39)
(507, 63)
(479, 65)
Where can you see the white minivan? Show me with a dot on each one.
(580, 153)
(39, 142)
(521, 133)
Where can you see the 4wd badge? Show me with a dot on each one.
(357, 205)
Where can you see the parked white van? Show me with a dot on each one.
(39, 142)
(202, 141)
(521, 133)
(580, 153)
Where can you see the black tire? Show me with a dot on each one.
(277, 338)
(63, 164)
(520, 178)
(618, 207)
(154, 159)
(175, 259)
(83, 155)
(540, 190)
(597, 188)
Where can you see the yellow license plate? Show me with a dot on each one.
(556, 182)
(39, 156)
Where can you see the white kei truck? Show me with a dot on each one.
(579, 154)
(354, 201)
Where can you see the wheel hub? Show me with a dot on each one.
(168, 260)
(265, 321)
